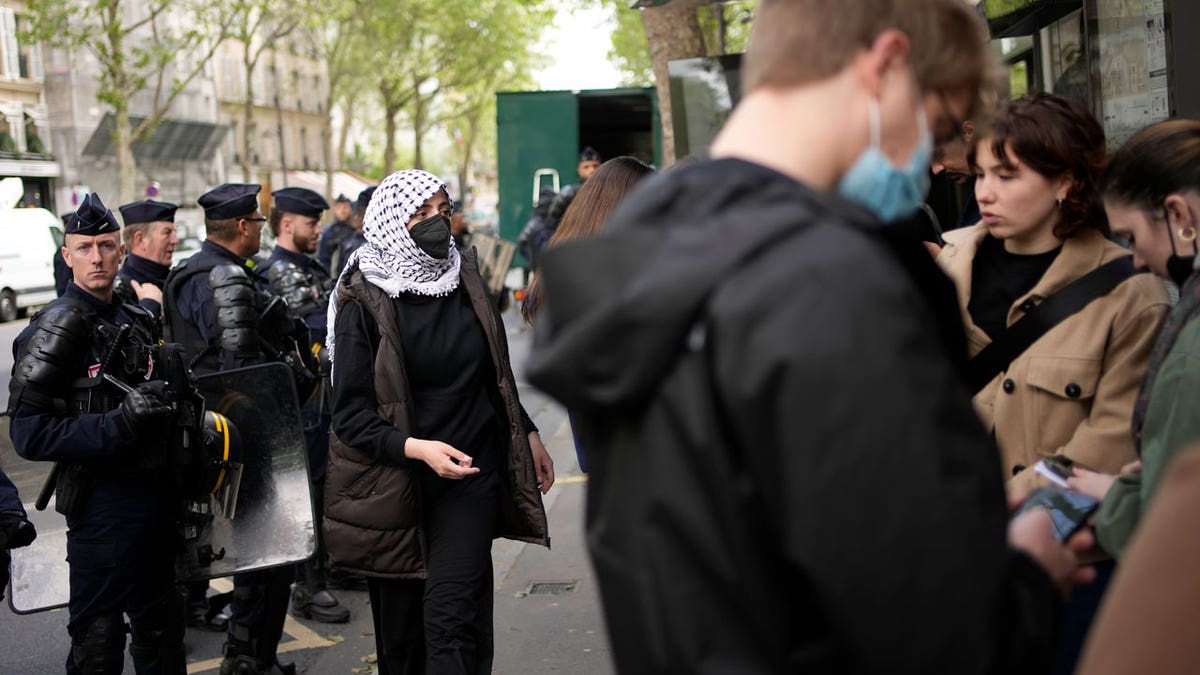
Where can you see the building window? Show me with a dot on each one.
(33, 141)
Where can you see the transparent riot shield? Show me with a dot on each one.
(266, 521)
(271, 519)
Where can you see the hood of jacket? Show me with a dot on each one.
(619, 308)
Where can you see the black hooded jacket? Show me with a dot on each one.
(788, 475)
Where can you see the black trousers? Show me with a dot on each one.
(443, 624)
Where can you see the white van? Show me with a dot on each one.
(29, 240)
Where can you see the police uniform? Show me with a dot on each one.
(111, 449)
(351, 243)
(15, 528)
(137, 268)
(332, 236)
(215, 302)
(305, 285)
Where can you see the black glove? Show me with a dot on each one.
(15, 530)
(145, 404)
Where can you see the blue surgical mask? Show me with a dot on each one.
(875, 183)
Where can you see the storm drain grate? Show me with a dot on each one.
(551, 587)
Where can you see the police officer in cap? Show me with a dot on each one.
(305, 284)
(150, 239)
(335, 232)
(351, 243)
(62, 273)
(214, 303)
(111, 452)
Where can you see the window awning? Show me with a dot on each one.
(171, 140)
(1010, 18)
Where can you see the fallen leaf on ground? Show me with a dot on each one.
(368, 633)
(335, 638)
(370, 658)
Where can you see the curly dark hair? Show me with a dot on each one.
(1055, 136)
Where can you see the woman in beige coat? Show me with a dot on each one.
(1072, 391)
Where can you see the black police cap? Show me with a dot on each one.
(364, 198)
(92, 218)
(230, 200)
(589, 154)
(148, 211)
(342, 198)
(300, 201)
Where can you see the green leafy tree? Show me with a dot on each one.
(140, 48)
(425, 51)
(259, 25)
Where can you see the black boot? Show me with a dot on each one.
(320, 606)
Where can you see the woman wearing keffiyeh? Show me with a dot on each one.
(431, 453)
(1152, 195)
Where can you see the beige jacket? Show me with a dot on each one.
(1072, 391)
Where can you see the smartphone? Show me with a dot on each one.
(1068, 510)
(1057, 469)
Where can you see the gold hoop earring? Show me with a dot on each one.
(1188, 234)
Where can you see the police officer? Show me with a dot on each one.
(111, 452)
(351, 243)
(305, 284)
(15, 529)
(589, 161)
(214, 306)
(62, 273)
(335, 232)
(150, 239)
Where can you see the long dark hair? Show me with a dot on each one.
(588, 211)
(1154, 163)
(1055, 136)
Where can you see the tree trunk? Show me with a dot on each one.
(418, 120)
(344, 132)
(672, 32)
(389, 147)
(247, 116)
(126, 162)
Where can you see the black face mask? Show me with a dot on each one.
(1180, 267)
(432, 235)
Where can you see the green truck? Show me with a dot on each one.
(540, 134)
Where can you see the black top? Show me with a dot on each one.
(998, 279)
(450, 376)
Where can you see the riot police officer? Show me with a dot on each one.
(150, 239)
(15, 529)
(216, 305)
(335, 232)
(305, 285)
(68, 401)
(352, 241)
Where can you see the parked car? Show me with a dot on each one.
(29, 240)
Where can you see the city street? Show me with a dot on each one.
(547, 615)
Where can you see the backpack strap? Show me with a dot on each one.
(996, 357)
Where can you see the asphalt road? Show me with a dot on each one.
(535, 633)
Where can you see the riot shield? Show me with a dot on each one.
(268, 523)
(271, 522)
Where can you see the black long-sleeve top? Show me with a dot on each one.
(451, 379)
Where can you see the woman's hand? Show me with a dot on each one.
(444, 459)
(1091, 483)
(543, 466)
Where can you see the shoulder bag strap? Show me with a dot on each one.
(1073, 297)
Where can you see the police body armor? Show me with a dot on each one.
(244, 331)
(47, 375)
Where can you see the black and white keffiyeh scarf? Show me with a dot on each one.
(390, 259)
